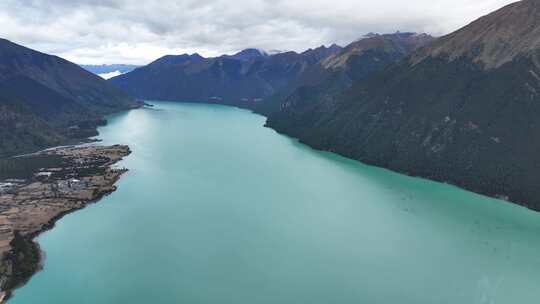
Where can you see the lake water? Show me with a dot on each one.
(218, 209)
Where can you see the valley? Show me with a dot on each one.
(276, 154)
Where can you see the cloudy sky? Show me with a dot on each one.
(139, 31)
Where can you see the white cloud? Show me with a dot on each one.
(129, 31)
(110, 75)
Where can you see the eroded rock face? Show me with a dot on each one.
(492, 40)
(31, 203)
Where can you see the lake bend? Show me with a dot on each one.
(216, 208)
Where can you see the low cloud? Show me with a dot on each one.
(137, 32)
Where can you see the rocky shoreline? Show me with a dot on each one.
(37, 190)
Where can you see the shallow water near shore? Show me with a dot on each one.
(218, 209)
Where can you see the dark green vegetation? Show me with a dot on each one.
(21, 262)
(46, 100)
(22, 130)
(463, 110)
(25, 167)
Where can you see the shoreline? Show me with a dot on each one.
(506, 197)
(85, 175)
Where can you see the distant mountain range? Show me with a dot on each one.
(46, 100)
(465, 110)
(255, 79)
(107, 71)
(336, 72)
(243, 79)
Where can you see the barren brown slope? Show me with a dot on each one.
(492, 40)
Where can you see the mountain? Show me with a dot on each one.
(248, 54)
(46, 100)
(464, 110)
(22, 131)
(107, 71)
(242, 79)
(336, 71)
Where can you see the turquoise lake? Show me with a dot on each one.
(217, 209)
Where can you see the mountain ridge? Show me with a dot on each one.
(486, 41)
(459, 118)
(48, 100)
(241, 79)
(337, 72)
